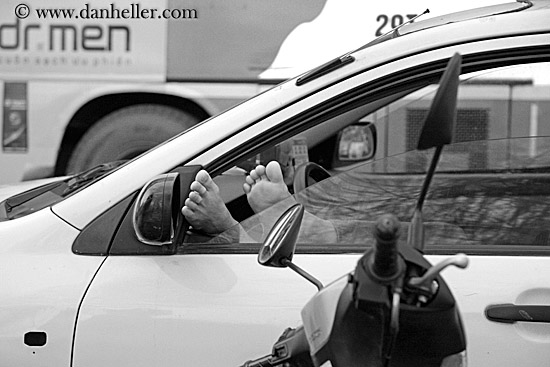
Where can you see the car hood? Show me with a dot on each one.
(7, 191)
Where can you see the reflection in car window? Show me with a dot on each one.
(484, 193)
(493, 104)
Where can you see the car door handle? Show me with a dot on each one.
(510, 313)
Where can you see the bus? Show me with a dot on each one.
(88, 82)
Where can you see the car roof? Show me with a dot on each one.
(490, 22)
(465, 15)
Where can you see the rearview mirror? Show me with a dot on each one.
(154, 217)
(355, 143)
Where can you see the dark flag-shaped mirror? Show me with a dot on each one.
(436, 133)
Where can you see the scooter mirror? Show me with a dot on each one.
(278, 248)
(439, 125)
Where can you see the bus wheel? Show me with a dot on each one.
(126, 133)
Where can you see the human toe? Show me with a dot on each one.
(198, 187)
(273, 172)
(190, 204)
(249, 180)
(195, 197)
(260, 171)
(186, 211)
(255, 173)
(204, 179)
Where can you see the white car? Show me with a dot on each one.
(78, 288)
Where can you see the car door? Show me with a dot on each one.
(205, 304)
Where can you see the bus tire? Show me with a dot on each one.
(126, 133)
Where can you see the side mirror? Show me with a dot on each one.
(278, 248)
(355, 143)
(155, 212)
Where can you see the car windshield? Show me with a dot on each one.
(493, 192)
(43, 196)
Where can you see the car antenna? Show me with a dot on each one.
(437, 132)
(405, 23)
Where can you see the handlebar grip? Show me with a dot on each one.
(386, 233)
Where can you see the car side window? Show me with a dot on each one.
(495, 107)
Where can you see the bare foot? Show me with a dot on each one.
(265, 186)
(204, 209)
